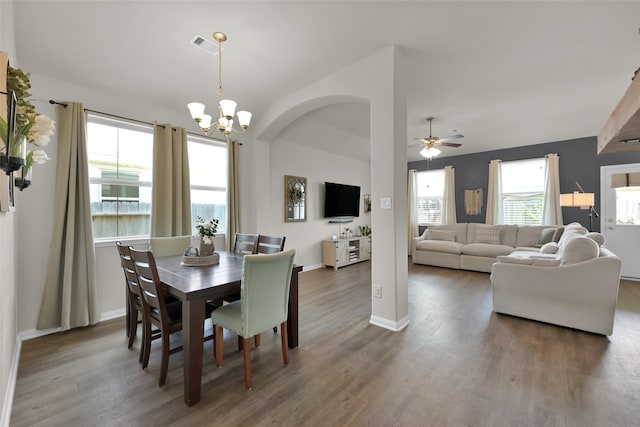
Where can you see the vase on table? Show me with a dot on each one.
(206, 246)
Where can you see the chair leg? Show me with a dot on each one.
(165, 358)
(219, 345)
(239, 343)
(257, 340)
(285, 342)
(146, 338)
(132, 319)
(128, 315)
(246, 345)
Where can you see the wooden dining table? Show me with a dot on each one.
(194, 286)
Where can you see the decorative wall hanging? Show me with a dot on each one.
(473, 201)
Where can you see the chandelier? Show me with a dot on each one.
(226, 107)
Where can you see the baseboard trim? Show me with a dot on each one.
(11, 385)
(388, 324)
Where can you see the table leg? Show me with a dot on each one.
(292, 319)
(192, 333)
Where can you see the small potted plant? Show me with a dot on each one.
(207, 231)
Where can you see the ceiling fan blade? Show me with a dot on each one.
(448, 144)
(450, 138)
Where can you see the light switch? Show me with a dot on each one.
(385, 203)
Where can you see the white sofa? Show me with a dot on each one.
(576, 287)
(474, 246)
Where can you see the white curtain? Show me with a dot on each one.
(412, 197)
(70, 293)
(449, 196)
(494, 193)
(171, 191)
(551, 211)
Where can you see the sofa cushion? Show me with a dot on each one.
(528, 235)
(579, 249)
(509, 259)
(596, 237)
(449, 236)
(487, 234)
(486, 249)
(440, 246)
(549, 248)
(548, 235)
(571, 230)
(459, 229)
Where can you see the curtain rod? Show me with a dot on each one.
(51, 101)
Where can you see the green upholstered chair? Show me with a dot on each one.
(166, 246)
(263, 304)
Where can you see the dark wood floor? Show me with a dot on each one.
(457, 364)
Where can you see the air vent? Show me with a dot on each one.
(208, 45)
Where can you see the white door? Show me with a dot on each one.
(620, 219)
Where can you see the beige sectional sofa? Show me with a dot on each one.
(474, 246)
(573, 283)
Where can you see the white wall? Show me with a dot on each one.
(8, 303)
(317, 166)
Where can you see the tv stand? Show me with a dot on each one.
(340, 252)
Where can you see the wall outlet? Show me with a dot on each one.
(377, 291)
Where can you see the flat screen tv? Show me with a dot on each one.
(341, 200)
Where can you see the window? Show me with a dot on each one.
(120, 171)
(208, 175)
(120, 157)
(523, 191)
(430, 190)
(628, 205)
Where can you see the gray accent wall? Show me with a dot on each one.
(579, 161)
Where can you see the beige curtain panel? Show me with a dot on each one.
(171, 192)
(69, 299)
(494, 193)
(449, 196)
(625, 180)
(412, 197)
(233, 192)
(551, 210)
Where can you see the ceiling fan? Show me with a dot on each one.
(431, 142)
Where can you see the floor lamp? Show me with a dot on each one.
(583, 201)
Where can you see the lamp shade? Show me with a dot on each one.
(583, 199)
(430, 152)
(228, 108)
(196, 109)
(566, 199)
(244, 118)
(205, 121)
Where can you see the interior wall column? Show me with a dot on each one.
(389, 266)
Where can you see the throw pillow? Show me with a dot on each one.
(596, 237)
(547, 235)
(579, 249)
(549, 248)
(449, 236)
(488, 234)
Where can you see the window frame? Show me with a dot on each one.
(523, 196)
(439, 199)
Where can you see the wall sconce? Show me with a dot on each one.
(582, 200)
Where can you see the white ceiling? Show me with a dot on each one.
(504, 74)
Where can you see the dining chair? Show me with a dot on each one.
(134, 304)
(270, 244)
(166, 246)
(263, 304)
(245, 243)
(167, 317)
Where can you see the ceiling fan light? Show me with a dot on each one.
(430, 152)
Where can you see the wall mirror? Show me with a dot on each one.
(295, 198)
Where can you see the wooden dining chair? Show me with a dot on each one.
(134, 304)
(166, 246)
(270, 244)
(263, 304)
(245, 243)
(167, 317)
